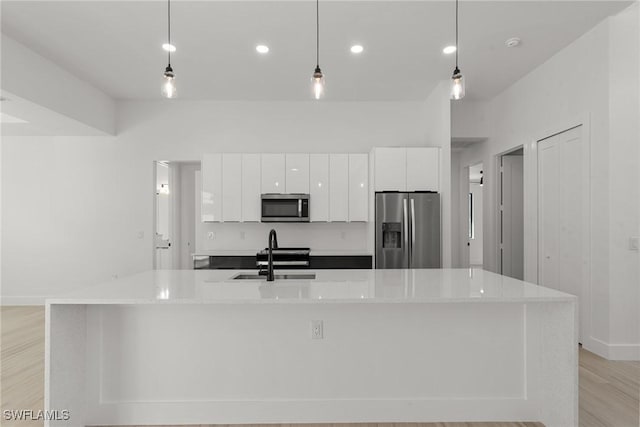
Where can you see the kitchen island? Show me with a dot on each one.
(198, 347)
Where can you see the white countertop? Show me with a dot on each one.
(252, 252)
(330, 286)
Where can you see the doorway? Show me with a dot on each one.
(563, 228)
(474, 215)
(175, 214)
(511, 214)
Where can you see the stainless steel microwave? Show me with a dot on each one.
(285, 208)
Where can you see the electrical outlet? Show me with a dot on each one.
(140, 234)
(343, 235)
(634, 244)
(316, 330)
(211, 235)
(242, 235)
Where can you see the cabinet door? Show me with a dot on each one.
(273, 174)
(358, 187)
(423, 169)
(231, 187)
(338, 187)
(297, 175)
(319, 187)
(390, 165)
(251, 187)
(211, 204)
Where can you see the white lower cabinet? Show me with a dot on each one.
(358, 187)
(232, 187)
(338, 187)
(251, 188)
(211, 175)
(319, 187)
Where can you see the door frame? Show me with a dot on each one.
(498, 202)
(531, 206)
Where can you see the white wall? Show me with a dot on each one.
(75, 206)
(582, 83)
(36, 79)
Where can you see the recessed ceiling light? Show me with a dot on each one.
(513, 42)
(262, 48)
(449, 50)
(169, 47)
(356, 48)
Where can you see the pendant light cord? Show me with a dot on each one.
(456, 34)
(318, 33)
(169, 29)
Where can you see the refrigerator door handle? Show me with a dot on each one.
(406, 228)
(413, 223)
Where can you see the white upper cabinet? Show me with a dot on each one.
(338, 187)
(273, 173)
(390, 166)
(358, 187)
(407, 169)
(423, 169)
(251, 187)
(319, 187)
(211, 175)
(232, 187)
(297, 176)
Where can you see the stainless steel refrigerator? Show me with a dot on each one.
(408, 230)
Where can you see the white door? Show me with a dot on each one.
(338, 187)
(273, 173)
(562, 228)
(231, 187)
(297, 175)
(512, 216)
(423, 169)
(319, 187)
(251, 187)
(358, 187)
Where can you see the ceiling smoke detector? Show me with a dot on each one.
(513, 42)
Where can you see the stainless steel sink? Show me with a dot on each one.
(293, 276)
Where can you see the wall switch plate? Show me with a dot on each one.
(140, 234)
(211, 235)
(316, 330)
(634, 244)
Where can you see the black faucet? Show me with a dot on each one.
(273, 244)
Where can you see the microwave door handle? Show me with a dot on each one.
(299, 208)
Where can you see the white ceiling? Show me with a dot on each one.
(115, 45)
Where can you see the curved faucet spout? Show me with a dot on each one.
(273, 244)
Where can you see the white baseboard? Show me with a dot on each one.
(612, 351)
(23, 300)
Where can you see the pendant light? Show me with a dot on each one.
(169, 78)
(317, 81)
(457, 80)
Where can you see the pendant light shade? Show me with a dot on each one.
(318, 83)
(169, 77)
(457, 85)
(169, 84)
(317, 80)
(457, 79)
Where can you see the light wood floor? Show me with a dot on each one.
(609, 391)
